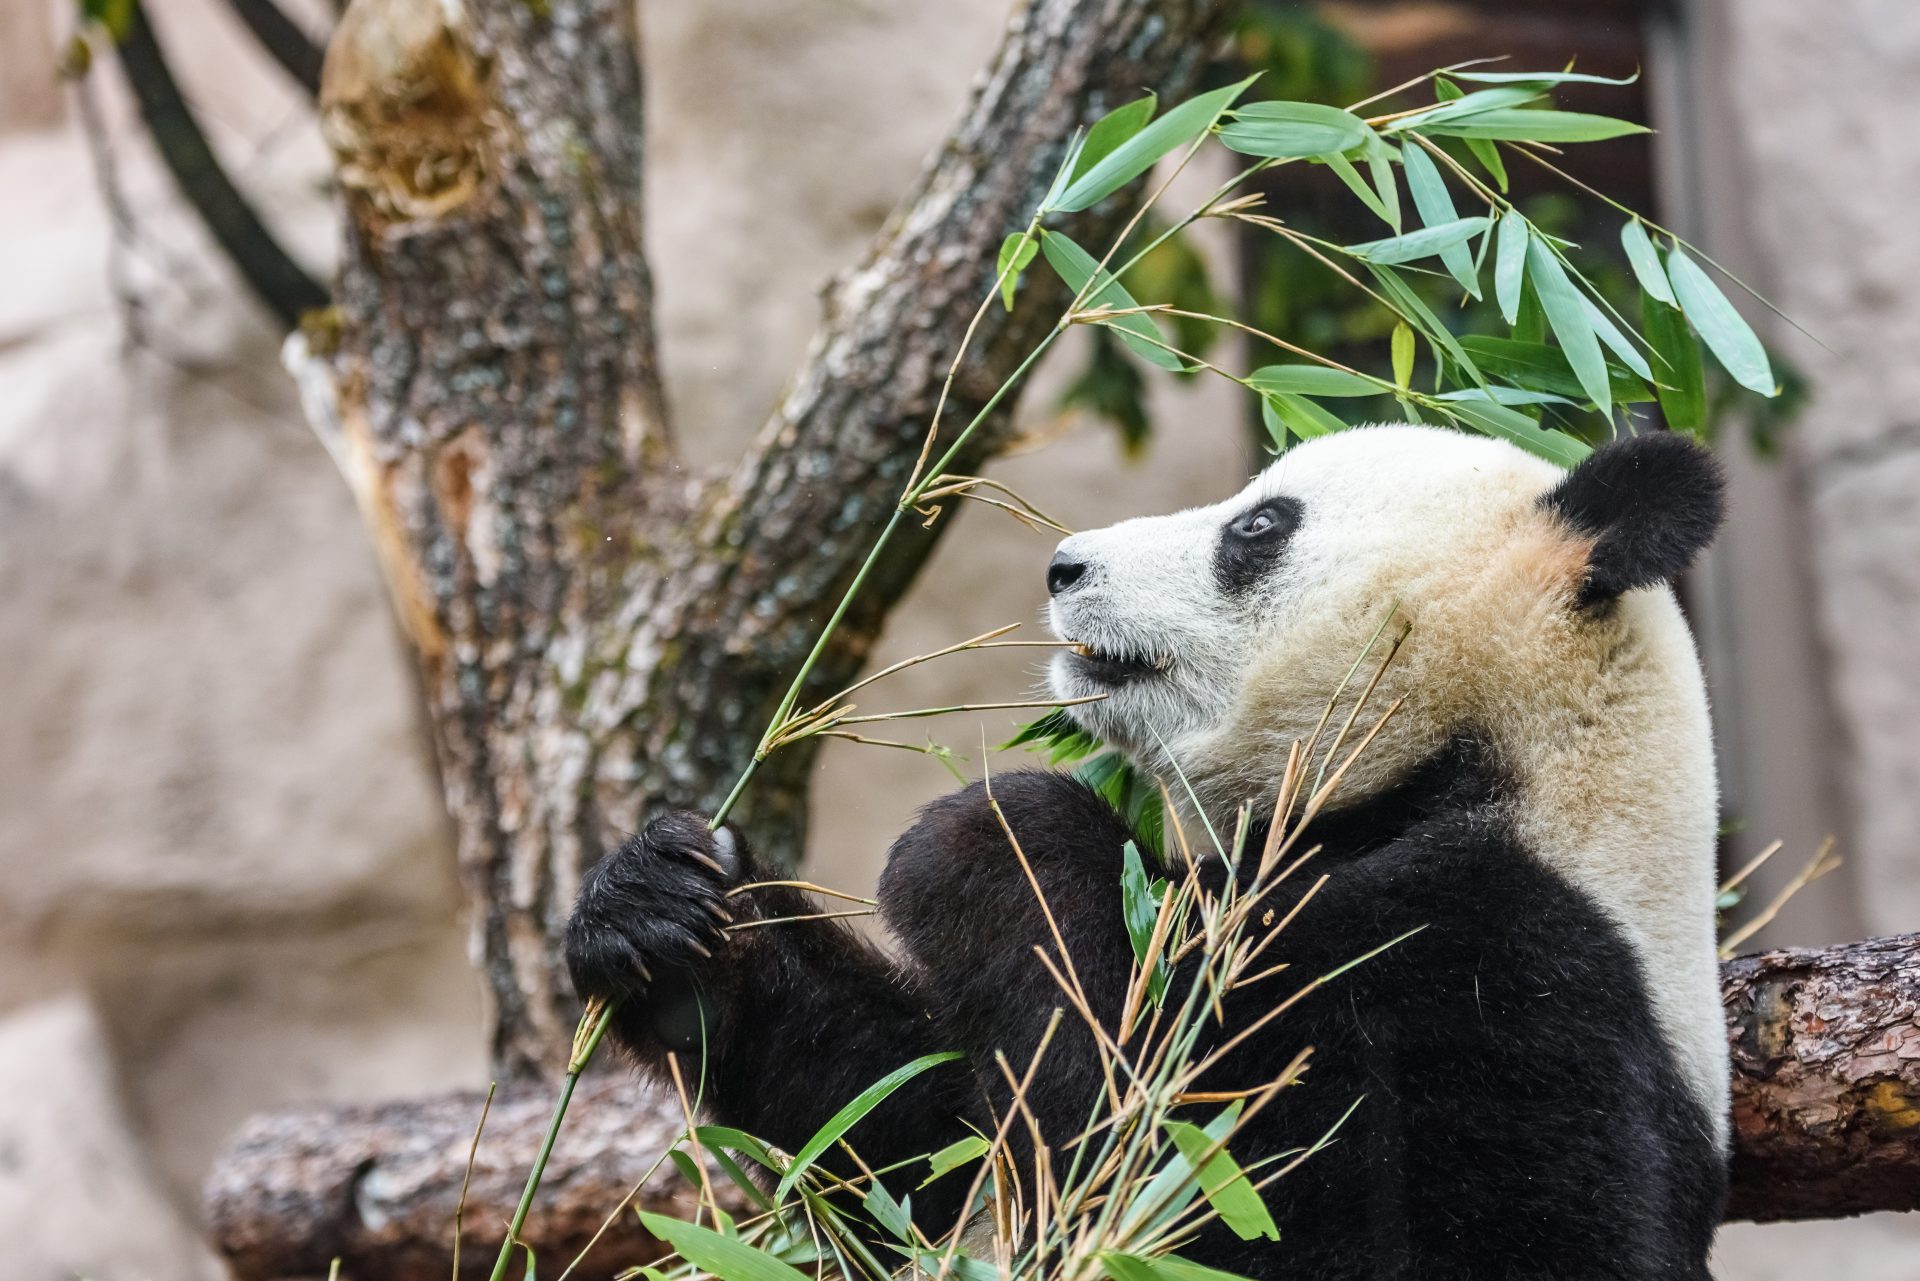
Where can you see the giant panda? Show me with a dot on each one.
(1542, 1067)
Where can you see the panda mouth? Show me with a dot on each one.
(1116, 667)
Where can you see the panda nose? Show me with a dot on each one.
(1063, 572)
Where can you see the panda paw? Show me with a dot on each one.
(651, 916)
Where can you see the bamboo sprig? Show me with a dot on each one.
(586, 1039)
(1824, 860)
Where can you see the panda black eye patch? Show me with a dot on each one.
(1252, 543)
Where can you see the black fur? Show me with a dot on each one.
(1522, 1117)
(1651, 503)
(798, 1018)
(1252, 543)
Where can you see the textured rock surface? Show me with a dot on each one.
(77, 1198)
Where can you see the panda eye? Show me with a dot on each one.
(1256, 522)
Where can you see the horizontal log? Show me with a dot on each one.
(1826, 1112)
(376, 1185)
(1826, 1079)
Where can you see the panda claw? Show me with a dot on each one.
(711, 864)
(701, 949)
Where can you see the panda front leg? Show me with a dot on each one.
(777, 1025)
(956, 894)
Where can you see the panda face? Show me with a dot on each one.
(1217, 635)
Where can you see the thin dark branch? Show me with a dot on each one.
(269, 271)
(283, 40)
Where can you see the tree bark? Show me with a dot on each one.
(598, 634)
(1826, 1110)
(1826, 1062)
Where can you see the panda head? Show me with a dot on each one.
(1534, 601)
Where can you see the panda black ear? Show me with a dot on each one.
(1650, 503)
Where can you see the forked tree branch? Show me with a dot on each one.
(283, 39)
(280, 282)
(601, 634)
(1826, 1105)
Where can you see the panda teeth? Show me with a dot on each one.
(1085, 651)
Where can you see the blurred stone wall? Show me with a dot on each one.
(225, 882)
(1790, 153)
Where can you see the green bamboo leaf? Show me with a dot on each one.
(1224, 1184)
(1471, 104)
(1489, 157)
(1570, 319)
(116, 16)
(1172, 1267)
(1344, 170)
(1112, 129)
(1178, 127)
(844, 1120)
(1076, 266)
(1140, 900)
(1276, 426)
(1410, 308)
(1292, 130)
(1539, 77)
(1105, 776)
(1682, 385)
(895, 1216)
(1303, 417)
(1618, 343)
(1729, 337)
(722, 1136)
(1485, 152)
(1646, 261)
(1538, 367)
(1403, 354)
(1313, 380)
(1511, 425)
(1380, 158)
(1510, 264)
(1505, 395)
(964, 1266)
(955, 1155)
(1068, 163)
(1435, 206)
(1532, 124)
(723, 1256)
(1425, 242)
(1016, 252)
(1127, 1267)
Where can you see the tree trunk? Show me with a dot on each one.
(597, 634)
(1826, 1110)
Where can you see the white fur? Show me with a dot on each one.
(1601, 720)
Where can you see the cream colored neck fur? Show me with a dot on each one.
(1599, 722)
